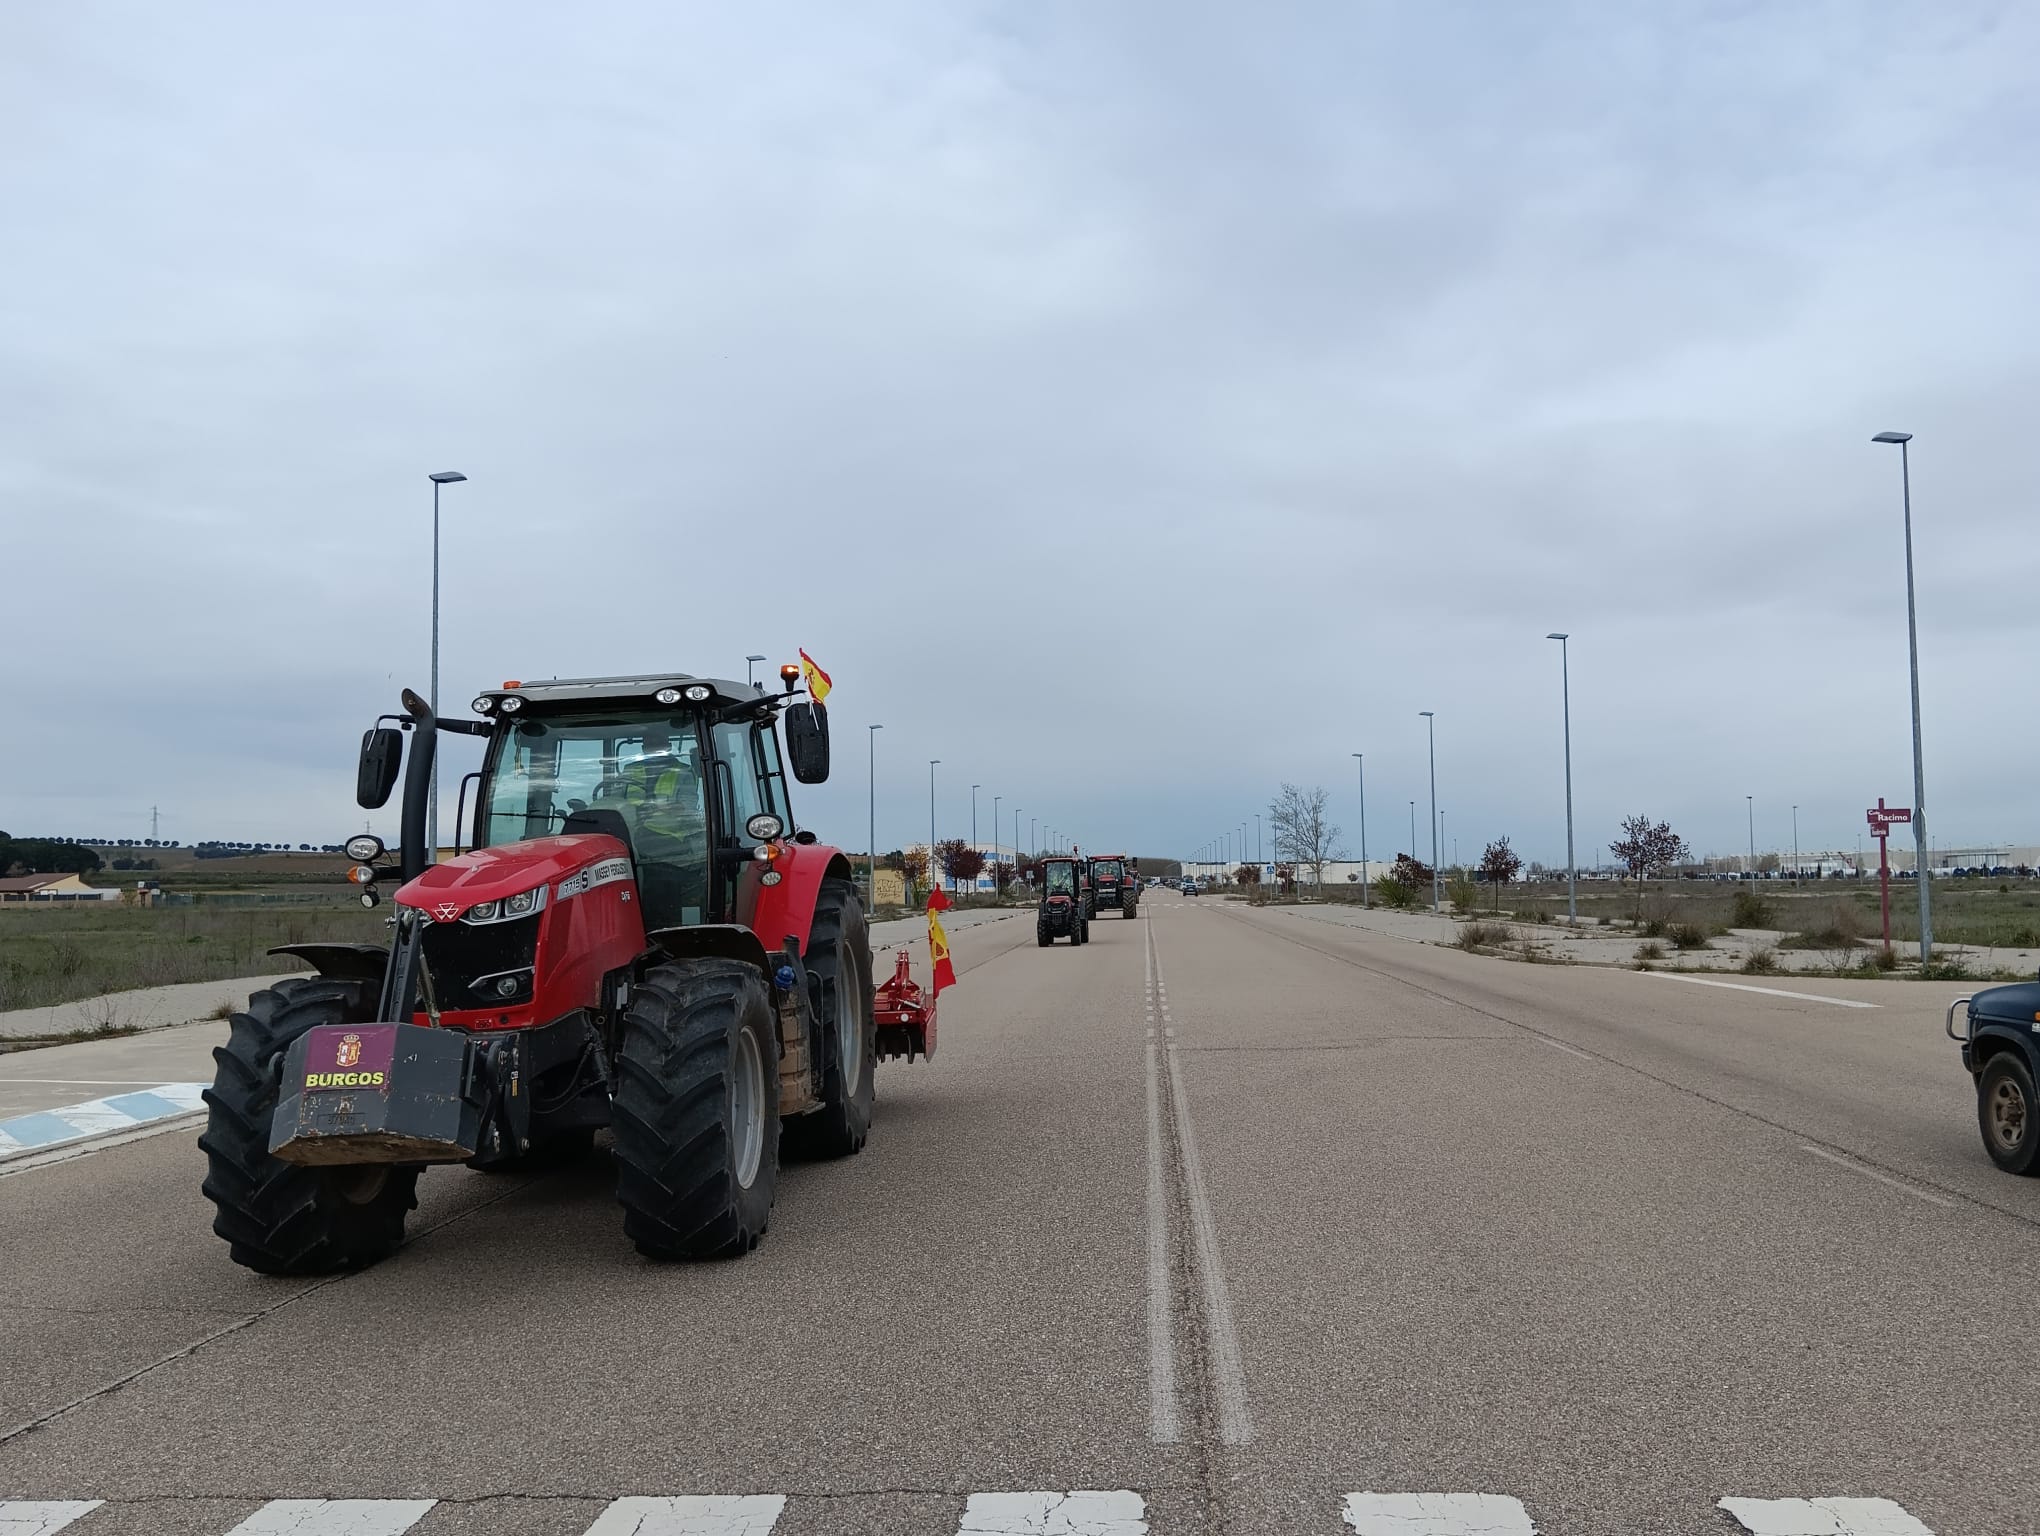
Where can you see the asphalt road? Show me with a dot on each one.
(1247, 1221)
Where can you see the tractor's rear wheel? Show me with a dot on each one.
(279, 1218)
(696, 1111)
(839, 965)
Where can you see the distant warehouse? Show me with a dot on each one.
(52, 888)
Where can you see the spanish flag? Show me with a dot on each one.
(938, 942)
(818, 684)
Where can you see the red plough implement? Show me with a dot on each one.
(905, 1015)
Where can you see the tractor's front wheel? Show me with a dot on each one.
(696, 1111)
(1043, 934)
(839, 966)
(279, 1218)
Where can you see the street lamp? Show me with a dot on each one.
(1796, 880)
(1361, 759)
(1431, 724)
(1753, 834)
(1260, 849)
(444, 477)
(871, 784)
(1413, 831)
(749, 663)
(1912, 635)
(973, 816)
(995, 842)
(1572, 900)
(932, 762)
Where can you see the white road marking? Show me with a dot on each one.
(1871, 1173)
(42, 1517)
(1743, 986)
(1560, 1045)
(749, 1514)
(1823, 1517)
(64, 1152)
(1437, 1514)
(334, 1517)
(1164, 1419)
(1229, 1377)
(1085, 1512)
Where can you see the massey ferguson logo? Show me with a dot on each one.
(348, 1052)
(446, 911)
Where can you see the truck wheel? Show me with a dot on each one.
(2008, 1113)
(696, 1111)
(839, 968)
(279, 1218)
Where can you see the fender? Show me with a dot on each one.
(727, 941)
(343, 962)
(1992, 1039)
(787, 910)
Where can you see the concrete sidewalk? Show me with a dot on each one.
(144, 1008)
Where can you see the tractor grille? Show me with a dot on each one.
(457, 955)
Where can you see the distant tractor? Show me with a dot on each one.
(638, 941)
(1115, 880)
(1061, 913)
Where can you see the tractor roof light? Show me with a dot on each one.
(666, 696)
(511, 705)
(790, 675)
(483, 705)
(699, 693)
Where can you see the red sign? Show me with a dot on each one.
(350, 1056)
(1881, 817)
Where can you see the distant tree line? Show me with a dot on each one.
(45, 856)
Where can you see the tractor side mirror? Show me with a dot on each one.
(382, 752)
(807, 741)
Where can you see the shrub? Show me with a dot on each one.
(1651, 950)
(1478, 935)
(1751, 911)
(1396, 892)
(1689, 936)
(1761, 962)
(1463, 894)
(1654, 927)
(1886, 959)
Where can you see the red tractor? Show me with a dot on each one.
(639, 941)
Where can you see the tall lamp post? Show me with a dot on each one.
(1413, 831)
(995, 842)
(932, 762)
(1260, 848)
(444, 477)
(871, 809)
(1361, 759)
(1796, 881)
(1572, 900)
(1431, 724)
(750, 665)
(1752, 799)
(1912, 636)
(973, 817)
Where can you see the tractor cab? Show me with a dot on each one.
(1061, 912)
(1116, 882)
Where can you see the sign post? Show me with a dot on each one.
(1882, 819)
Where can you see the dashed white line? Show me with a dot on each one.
(750, 1514)
(1871, 1173)
(42, 1517)
(1438, 1514)
(334, 1517)
(1823, 1517)
(1085, 1512)
(1743, 986)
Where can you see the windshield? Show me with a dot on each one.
(647, 771)
(1105, 869)
(1062, 879)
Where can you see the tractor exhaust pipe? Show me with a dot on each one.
(412, 853)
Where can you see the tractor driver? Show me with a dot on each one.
(669, 830)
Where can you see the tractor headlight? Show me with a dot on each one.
(699, 693)
(506, 908)
(764, 827)
(483, 705)
(666, 696)
(364, 849)
(511, 705)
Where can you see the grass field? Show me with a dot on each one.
(61, 952)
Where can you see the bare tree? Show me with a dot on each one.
(1302, 833)
(1644, 847)
(1499, 865)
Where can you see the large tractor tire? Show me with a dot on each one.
(838, 962)
(1043, 934)
(279, 1218)
(696, 1111)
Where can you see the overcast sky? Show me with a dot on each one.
(1134, 406)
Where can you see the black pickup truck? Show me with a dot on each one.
(2001, 1049)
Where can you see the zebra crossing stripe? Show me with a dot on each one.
(1823, 1517)
(42, 1517)
(1438, 1514)
(749, 1514)
(1085, 1512)
(334, 1517)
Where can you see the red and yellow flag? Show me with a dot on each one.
(818, 684)
(938, 942)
